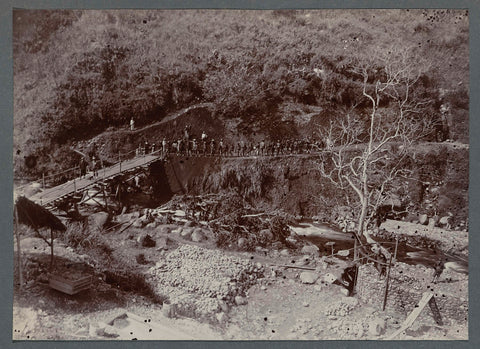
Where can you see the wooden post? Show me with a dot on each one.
(396, 247)
(51, 248)
(43, 180)
(19, 253)
(387, 283)
(74, 184)
(105, 197)
(355, 252)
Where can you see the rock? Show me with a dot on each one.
(376, 327)
(344, 291)
(445, 221)
(285, 253)
(98, 219)
(305, 304)
(110, 331)
(189, 224)
(329, 278)
(317, 288)
(224, 306)
(99, 329)
(276, 246)
(186, 233)
(137, 224)
(266, 234)
(308, 277)
(163, 242)
(239, 300)
(263, 288)
(197, 235)
(222, 318)
(343, 253)
(310, 249)
(146, 240)
(431, 223)
(140, 258)
(165, 230)
(241, 242)
(152, 225)
(423, 219)
(169, 310)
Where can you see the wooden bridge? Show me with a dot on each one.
(75, 186)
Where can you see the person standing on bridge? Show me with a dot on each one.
(83, 167)
(132, 124)
(147, 148)
(164, 146)
(94, 167)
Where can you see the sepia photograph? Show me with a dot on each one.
(226, 175)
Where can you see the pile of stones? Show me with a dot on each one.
(202, 282)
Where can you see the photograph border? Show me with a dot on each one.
(6, 170)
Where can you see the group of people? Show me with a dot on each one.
(86, 166)
(206, 146)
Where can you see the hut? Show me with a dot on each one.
(38, 218)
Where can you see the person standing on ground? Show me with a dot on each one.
(132, 124)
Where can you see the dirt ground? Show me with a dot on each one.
(278, 307)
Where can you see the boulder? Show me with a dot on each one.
(310, 249)
(152, 225)
(329, 278)
(308, 277)
(140, 258)
(110, 332)
(266, 234)
(276, 246)
(431, 223)
(423, 219)
(186, 233)
(285, 253)
(198, 235)
(445, 221)
(98, 219)
(241, 242)
(376, 327)
(239, 300)
(222, 318)
(169, 310)
(343, 253)
(146, 240)
(163, 242)
(164, 230)
(137, 224)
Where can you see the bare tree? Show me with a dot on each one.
(369, 147)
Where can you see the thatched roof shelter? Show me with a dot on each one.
(36, 216)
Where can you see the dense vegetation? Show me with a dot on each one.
(266, 73)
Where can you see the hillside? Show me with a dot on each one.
(272, 74)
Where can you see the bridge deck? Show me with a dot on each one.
(80, 184)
